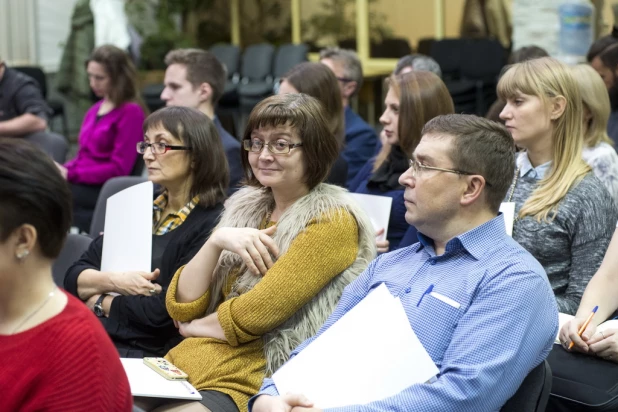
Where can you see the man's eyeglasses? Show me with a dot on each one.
(276, 147)
(344, 79)
(417, 167)
(158, 148)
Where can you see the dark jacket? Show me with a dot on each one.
(140, 325)
(360, 143)
(338, 173)
(397, 225)
(232, 152)
(20, 94)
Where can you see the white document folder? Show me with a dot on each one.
(378, 208)
(148, 383)
(127, 244)
(371, 353)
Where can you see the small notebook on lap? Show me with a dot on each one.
(146, 382)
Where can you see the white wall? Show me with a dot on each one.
(33, 32)
(53, 22)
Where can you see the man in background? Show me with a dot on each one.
(479, 303)
(24, 112)
(360, 138)
(196, 78)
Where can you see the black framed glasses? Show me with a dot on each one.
(159, 148)
(276, 147)
(417, 167)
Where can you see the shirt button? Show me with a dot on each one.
(432, 262)
(408, 290)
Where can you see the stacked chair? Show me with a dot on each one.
(470, 69)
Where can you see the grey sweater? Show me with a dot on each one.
(572, 245)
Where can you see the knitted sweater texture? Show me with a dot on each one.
(572, 245)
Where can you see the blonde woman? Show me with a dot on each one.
(598, 151)
(564, 215)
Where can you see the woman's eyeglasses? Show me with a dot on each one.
(158, 148)
(276, 147)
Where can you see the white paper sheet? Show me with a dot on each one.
(378, 208)
(146, 382)
(127, 244)
(508, 213)
(371, 353)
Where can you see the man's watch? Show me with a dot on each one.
(98, 306)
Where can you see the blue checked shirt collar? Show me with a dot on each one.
(473, 242)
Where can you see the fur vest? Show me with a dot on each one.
(247, 208)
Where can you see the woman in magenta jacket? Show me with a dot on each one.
(110, 130)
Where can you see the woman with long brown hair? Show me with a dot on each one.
(317, 80)
(110, 130)
(412, 100)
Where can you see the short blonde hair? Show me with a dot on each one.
(547, 78)
(596, 100)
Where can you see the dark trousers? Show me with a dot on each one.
(84, 201)
(582, 383)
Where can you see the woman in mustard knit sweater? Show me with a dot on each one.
(273, 270)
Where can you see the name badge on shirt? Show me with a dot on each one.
(508, 212)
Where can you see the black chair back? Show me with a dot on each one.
(74, 247)
(257, 62)
(229, 55)
(533, 394)
(288, 56)
(37, 74)
(393, 48)
(448, 54)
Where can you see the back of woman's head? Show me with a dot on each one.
(549, 80)
(317, 80)
(306, 116)
(422, 96)
(32, 192)
(207, 160)
(596, 103)
(121, 71)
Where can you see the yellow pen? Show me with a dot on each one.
(584, 326)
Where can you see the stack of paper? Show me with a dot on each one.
(146, 382)
(371, 353)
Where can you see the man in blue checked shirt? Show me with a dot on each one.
(480, 304)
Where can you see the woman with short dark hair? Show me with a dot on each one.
(276, 265)
(55, 355)
(184, 155)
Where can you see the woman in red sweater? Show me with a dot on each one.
(55, 354)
